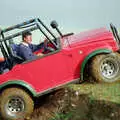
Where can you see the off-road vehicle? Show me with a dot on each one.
(67, 58)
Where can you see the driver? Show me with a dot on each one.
(26, 48)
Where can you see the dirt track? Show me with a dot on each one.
(80, 102)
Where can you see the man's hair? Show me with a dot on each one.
(25, 34)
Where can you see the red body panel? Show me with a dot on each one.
(63, 66)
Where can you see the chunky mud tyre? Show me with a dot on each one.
(15, 104)
(106, 68)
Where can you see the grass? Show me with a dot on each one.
(61, 116)
(81, 102)
(107, 92)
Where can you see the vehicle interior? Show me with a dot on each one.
(10, 39)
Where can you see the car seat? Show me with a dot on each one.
(14, 48)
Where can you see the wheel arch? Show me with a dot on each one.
(20, 84)
(91, 55)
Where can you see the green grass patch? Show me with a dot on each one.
(107, 92)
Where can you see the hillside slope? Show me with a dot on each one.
(80, 102)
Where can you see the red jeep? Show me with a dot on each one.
(68, 59)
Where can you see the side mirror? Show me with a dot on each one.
(54, 24)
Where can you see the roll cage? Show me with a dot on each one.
(29, 25)
(115, 34)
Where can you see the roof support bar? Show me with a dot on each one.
(18, 25)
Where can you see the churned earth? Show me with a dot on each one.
(87, 101)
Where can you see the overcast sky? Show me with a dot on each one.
(72, 15)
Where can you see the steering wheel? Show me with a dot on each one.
(47, 47)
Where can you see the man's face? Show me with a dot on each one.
(28, 39)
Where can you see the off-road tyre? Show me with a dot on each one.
(15, 104)
(106, 67)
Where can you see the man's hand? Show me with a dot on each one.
(2, 59)
(40, 54)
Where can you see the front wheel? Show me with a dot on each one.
(106, 67)
(15, 104)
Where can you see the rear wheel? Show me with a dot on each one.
(15, 104)
(106, 68)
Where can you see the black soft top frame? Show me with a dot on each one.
(29, 25)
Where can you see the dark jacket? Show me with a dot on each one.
(26, 52)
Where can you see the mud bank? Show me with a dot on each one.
(80, 102)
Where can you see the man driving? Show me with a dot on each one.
(26, 48)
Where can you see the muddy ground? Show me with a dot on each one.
(80, 102)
